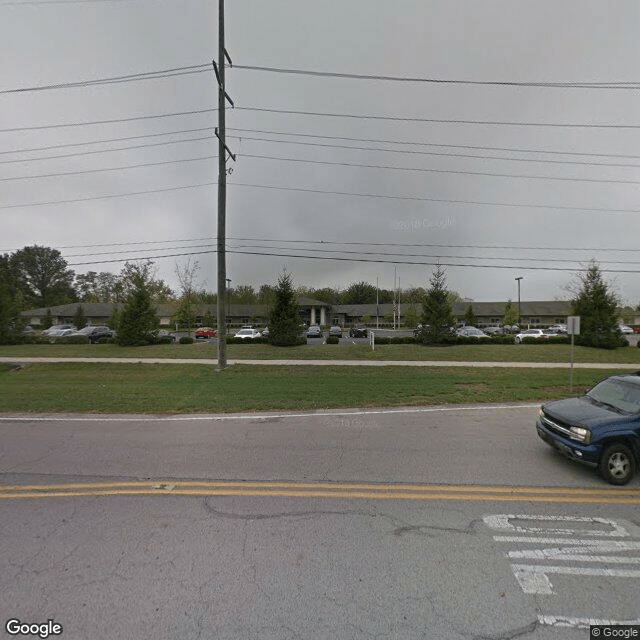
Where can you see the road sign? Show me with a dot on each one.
(573, 325)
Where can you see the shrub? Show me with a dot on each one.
(333, 340)
(183, 340)
(71, 340)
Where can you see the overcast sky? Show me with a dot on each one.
(491, 172)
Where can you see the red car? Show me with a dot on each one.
(205, 332)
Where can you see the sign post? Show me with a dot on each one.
(573, 329)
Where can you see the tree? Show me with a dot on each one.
(10, 301)
(326, 294)
(157, 289)
(283, 319)
(99, 287)
(437, 317)
(411, 316)
(510, 317)
(597, 307)
(186, 312)
(137, 323)
(43, 276)
(79, 319)
(470, 318)
(243, 294)
(358, 293)
(47, 321)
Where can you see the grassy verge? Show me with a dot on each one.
(159, 389)
(473, 353)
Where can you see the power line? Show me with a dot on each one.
(330, 115)
(134, 77)
(323, 162)
(407, 79)
(325, 137)
(440, 154)
(137, 146)
(432, 144)
(106, 140)
(363, 253)
(513, 205)
(85, 171)
(116, 120)
(321, 145)
(350, 259)
(423, 170)
(439, 120)
(354, 243)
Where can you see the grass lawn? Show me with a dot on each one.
(473, 353)
(193, 388)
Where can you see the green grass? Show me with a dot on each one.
(473, 353)
(193, 388)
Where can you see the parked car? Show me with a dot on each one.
(95, 332)
(471, 332)
(314, 331)
(55, 329)
(558, 328)
(248, 334)
(494, 330)
(359, 331)
(62, 333)
(205, 332)
(335, 331)
(601, 428)
(265, 332)
(533, 333)
(163, 333)
(625, 328)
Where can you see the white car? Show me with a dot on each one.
(625, 328)
(248, 333)
(533, 333)
(55, 329)
(471, 332)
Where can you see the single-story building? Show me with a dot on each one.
(534, 314)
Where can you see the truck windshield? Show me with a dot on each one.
(617, 394)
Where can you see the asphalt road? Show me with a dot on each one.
(442, 523)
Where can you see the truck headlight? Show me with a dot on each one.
(581, 434)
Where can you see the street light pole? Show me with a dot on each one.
(518, 279)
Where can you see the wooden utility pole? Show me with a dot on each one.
(222, 190)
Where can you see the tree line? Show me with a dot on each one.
(39, 277)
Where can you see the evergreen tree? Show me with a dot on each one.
(437, 316)
(470, 317)
(137, 322)
(510, 317)
(47, 321)
(597, 307)
(79, 319)
(283, 319)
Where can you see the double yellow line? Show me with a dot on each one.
(332, 490)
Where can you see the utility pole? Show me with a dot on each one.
(518, 279)
(222, 190)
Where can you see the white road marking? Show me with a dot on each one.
(534, 579)
(502, 522)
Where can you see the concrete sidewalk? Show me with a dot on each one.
(338, 363)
